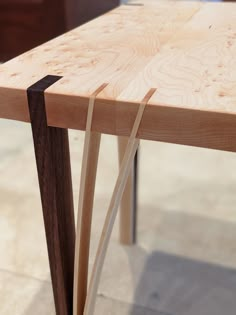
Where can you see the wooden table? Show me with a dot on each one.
(162, 72)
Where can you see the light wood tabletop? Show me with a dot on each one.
(185, 50)
(163, 71)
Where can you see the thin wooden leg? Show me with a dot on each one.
(87, 187)
(54, 173)
(128, 206)
(107, 228)
(126, 165)
(85, 209)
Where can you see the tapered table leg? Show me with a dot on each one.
(87, 189)
(128, 206)
(54, 174)
(85, 209)
(121, 181)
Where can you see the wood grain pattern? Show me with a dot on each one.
(54, 174)
(185, 50)
(91, 55)
(196, 68)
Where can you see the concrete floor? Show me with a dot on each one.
(185, 259)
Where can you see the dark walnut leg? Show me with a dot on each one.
(54, 173)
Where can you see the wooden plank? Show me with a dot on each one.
(53, 164)
(185, 50)
(195, 77)
(195, 69)
(112, 48)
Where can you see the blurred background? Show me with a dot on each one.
(184, 262)
(25, 24)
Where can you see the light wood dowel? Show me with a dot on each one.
(85, 209)
(128, 202)
(108, 226)
(126, 164)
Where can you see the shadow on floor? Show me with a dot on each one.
(172, 285)
(168, 284)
